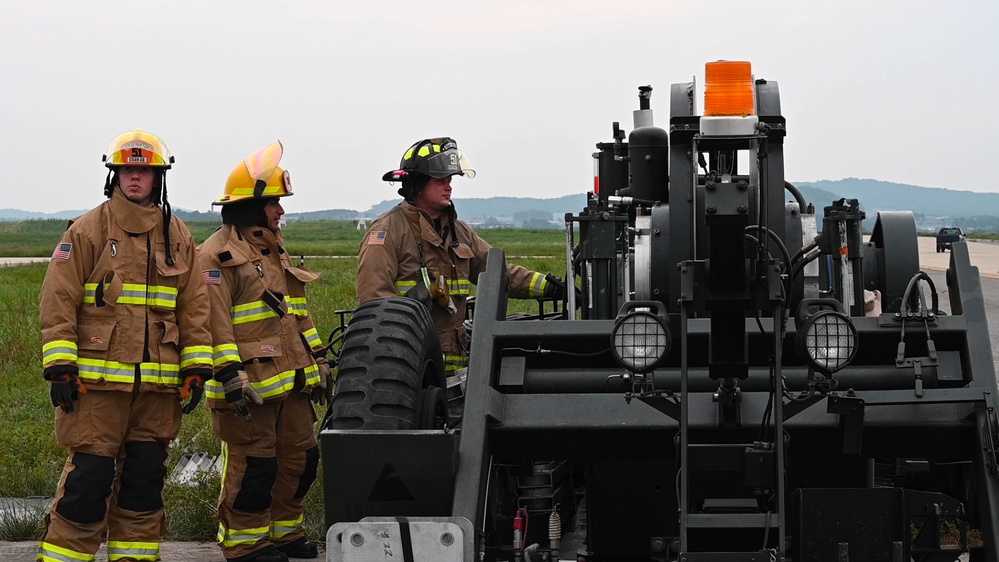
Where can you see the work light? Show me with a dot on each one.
(826, 337)
(640, 339)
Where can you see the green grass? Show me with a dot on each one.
(36, 238)
(28, 415)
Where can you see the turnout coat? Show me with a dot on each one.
(111, 302)
(389, 264)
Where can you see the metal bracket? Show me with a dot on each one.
(851, 411)
(991, 437)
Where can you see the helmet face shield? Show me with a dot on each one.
(137, 148)
(449, 163)
(258, 176)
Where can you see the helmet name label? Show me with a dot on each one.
(137, 144)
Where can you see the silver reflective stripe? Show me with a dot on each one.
(275, 385)
(249, 312)
(133, 550)
(52, 553)
(537, 285)
(282, 528)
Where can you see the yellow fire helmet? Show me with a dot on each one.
(257, 176)
(138, 148)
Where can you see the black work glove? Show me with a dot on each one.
(66, 387)
(237, 390)
(555, 287)
(194, 388)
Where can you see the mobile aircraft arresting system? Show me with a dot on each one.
(737, 380)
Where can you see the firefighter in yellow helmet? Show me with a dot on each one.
(124, 319)
(420, 246)
(269, 362)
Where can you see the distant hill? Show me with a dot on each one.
(932, 206)
(502, 206)
(19, 215)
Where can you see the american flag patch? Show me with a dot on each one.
(377, 238)
(63, 251)
(212, 276)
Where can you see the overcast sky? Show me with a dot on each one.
(901, 91)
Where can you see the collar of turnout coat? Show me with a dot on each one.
(132, 218)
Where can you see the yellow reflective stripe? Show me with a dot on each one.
(284, 528)
(138, 294)
(58, 350)
(274, 386)
(312, 337)
(460, 287)
(455, 362)
(52, 553)
(538, 285)
(424, 151)
(119, 550)
(224, 353)
(269, 190)
(214, 389)
(402, 286)
(251, 312)
(233, 537)
(312, 375)
(196, 355)
(112, 371)
(297, 306)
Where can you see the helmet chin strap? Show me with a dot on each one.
(167, 214)
(452, 216)
(108, 188)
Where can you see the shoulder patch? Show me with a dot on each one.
(225, 256)
(212, 276)
(377, 237)
(62, 251)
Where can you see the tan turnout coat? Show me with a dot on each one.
(389, 264)
(260, 317)
(110, 302)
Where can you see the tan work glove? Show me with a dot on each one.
(323, 392)
(237, 390)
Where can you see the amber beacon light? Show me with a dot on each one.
(729, 103)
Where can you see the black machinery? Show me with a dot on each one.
(738, 383)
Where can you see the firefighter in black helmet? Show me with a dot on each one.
(420, 247)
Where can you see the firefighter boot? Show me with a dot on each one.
(267, 554)
(301, 548)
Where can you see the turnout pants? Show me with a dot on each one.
(270, 464)
(113, 478)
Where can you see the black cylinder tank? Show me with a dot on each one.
(648, 155)
(612, 172)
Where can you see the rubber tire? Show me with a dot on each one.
(433, 408)
(390, 353)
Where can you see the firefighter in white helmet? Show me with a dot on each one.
(269, 362)
(419, 248)
(124, 318)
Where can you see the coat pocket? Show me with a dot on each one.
(108, 290)
(164, 343)
(261, 348)
(94, 337)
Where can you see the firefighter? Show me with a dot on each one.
(419, 248)
(269, 363)
(124, 319)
